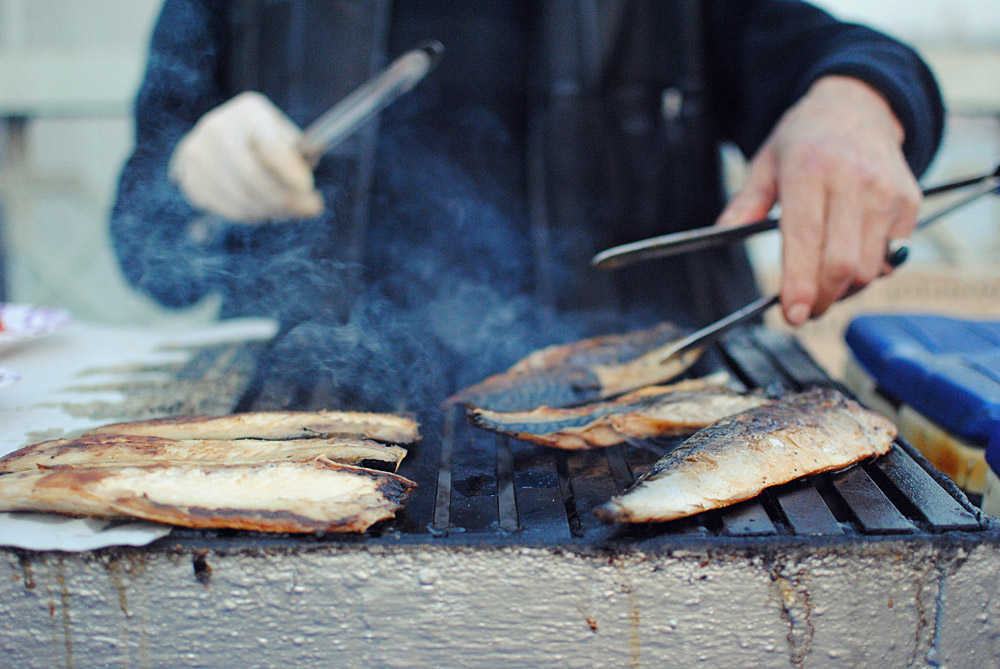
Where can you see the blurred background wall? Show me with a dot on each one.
(69, 70)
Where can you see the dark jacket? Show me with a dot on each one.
(551, 129)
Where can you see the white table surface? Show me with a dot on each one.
(72, 367)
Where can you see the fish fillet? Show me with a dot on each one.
(287, 496)
(737, 457)
(583, 371)
(680, 408)
(137, 449)
(273, 425)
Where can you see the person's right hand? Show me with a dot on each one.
(242, 161)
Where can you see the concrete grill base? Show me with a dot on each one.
(886, 603)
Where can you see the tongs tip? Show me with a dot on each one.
(434, 50)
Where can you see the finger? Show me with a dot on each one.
(247, 189)
(758, 195)
(266, 195)
(276, 143)
(876, 228)
(904, 222)
(803, 194)
(275, 140)
(842, 246)
(207, 186)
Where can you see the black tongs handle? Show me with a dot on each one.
(701, 238)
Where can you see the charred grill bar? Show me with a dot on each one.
(498, 558)
(481, 488)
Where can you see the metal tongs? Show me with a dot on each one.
(371, 97)
(702, 238)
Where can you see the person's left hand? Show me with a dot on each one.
(835, 163)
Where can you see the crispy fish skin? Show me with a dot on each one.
(680, 408)
(273, 425)
(137, 449)
(287, 496)
(583, 371)
(736, 458)
(603, 350)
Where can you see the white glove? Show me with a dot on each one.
(242, 161)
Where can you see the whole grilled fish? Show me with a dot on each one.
(286, 496)
(680, 408)
(737, 457)
(583, 371)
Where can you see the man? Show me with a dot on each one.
(461, 222)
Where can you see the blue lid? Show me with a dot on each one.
(993, 452)
(948, 369)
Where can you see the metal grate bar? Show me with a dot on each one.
(506, 501)
(568, 495)
(872, 510)
(747, 519)
(939, 508)
(473, 514)
(754, 366)
(592, 485)
(620, 470)
(791, 358)
(805, 510)
(541, 511)
(442, 500)
(474, 504)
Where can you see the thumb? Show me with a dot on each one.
(275, 141)
(758, 194)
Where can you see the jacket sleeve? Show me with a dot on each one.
(150, 220)
(764, 55)
(166, 248)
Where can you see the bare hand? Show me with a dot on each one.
(242, 161)
(835, 163)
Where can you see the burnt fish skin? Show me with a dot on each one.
(736, 458)
(582, 371)
(676, 409)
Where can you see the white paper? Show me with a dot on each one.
(51, 532)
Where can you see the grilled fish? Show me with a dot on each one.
(680, 408)
(737, 457)
(134, 449)
(583, 371)
(273, 425)
(288, 496)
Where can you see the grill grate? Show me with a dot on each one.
(480, 488)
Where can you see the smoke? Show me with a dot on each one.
(446, 291)
(441, 294)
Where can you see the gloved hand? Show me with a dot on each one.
(242, 161)
(835, 163)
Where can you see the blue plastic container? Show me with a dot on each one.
(948, 369)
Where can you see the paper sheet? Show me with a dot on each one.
(50, 532)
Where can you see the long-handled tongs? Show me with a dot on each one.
(341, 120)
(701, 238)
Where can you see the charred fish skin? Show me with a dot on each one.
(568, 374)
(604, 350)
(660, 411)
(738, 457)
(531, 389)
(132, 449)
(390, 428)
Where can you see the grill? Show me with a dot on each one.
(498, 560)
(478, 488)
